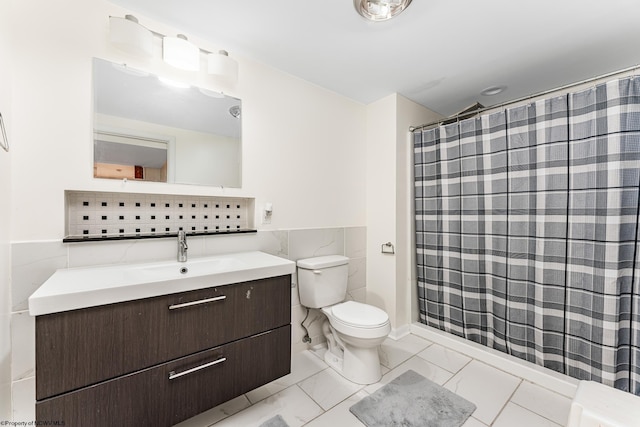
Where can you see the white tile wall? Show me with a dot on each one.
(34, 262)
(351, 242)
(23, 397)
(23, 327)
(5, 364)
(355, 242)
(316, 242)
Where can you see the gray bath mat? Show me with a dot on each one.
(276, 421)
(411, 400)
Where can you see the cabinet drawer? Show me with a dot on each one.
(83, 347)
(150, 398)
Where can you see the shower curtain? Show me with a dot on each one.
(527, 231)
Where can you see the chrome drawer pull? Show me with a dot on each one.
(173, 375)
(202, 301)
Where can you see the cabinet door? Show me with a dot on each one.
(83, 347)
(200, 382)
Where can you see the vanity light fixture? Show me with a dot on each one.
(219, 64)
(380, 10)
(128, 35)
(180, 53)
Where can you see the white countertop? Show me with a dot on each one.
(76, 288)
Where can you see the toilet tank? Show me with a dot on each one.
(322, 281)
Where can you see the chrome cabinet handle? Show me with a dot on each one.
(317, 271)
(173, 375)
(198, 302)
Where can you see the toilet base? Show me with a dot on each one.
(334, 361)
(360, 365)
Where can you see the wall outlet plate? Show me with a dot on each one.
(266, 217)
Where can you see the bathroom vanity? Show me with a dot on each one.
(151, 344)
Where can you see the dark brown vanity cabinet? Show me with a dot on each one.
(161, 360)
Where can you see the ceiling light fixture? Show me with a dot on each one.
(380, 10)
(493, 90)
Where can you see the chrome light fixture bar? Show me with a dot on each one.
(380, 10)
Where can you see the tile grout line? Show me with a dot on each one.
(534, 412)
(446, 369)
(280, 391)
(507, 401)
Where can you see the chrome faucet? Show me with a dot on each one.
(182, 246)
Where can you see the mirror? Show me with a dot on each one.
(149, 129)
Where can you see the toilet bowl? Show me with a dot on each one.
(358, 330)
(354, 331)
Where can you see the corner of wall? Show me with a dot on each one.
(390, 204)
(408, 113)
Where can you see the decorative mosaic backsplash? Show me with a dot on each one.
(101, 214)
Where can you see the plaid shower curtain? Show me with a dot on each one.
(527, 231)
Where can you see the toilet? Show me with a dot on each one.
(353, 330)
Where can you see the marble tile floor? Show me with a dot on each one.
(315, 395)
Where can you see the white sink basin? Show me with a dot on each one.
(75, 288)
(178, 270)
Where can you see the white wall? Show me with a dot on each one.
(381, 202)
(303, 145)
(408, 114)
(389, 205)
(303, 151)
(5, 198)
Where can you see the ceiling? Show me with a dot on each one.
(439, 53)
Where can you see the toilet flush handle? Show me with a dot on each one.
(317, 271)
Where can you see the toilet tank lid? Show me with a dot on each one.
(322, 262)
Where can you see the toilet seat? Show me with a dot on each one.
(351, 313)
(358, 320)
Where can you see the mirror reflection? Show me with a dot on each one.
(149, 129)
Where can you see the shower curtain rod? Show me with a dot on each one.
(457, 117)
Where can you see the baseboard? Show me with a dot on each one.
(402, 331)
(542, 376)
